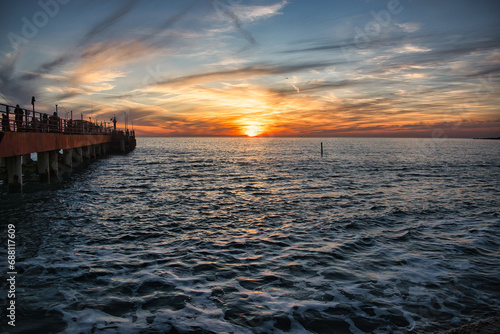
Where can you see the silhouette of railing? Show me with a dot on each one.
(24, 120)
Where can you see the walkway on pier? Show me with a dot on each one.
(25, 132)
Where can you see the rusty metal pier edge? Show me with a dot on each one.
(79, 141)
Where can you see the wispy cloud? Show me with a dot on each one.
(239, 14)
(91, 66)
(244, 73)
(409, 48)
(110, 20)
(237, 24)
(11, 88)
(409, 27)
(249, 13)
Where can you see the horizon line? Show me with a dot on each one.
(305, 136)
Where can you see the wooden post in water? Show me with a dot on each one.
(321, 148)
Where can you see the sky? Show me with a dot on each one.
(392, 68)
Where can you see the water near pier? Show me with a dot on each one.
(263, 235)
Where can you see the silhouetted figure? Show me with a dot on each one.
(58, 123)
(18, 112)
(45, 123)
(26, 123)
(114, 123)
(6, 121)
(69, 127)
(53, 123)
(35, 125)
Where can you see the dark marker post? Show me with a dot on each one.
(321, 148)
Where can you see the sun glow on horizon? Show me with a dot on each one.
(252, 130)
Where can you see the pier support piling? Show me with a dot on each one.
(3, 169)
(77, 156)
(104, 148)
(43, 167)
(27, 159)
(98, 150)
(54, 164)
(122, 145)
(15, 174)
(86, 152)
(68, 157)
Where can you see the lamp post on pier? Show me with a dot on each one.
(33, 100)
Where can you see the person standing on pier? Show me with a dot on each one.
(53, 123)
(45, 123)
(26, 124)
(18, 112)
(5, 121)
(114, 123)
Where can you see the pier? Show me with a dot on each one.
(60, 144)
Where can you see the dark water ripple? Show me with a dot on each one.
(263, 235)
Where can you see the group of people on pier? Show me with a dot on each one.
(44, 123)
(30, 121)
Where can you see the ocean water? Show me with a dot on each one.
(261, 235)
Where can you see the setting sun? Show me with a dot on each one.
(252, 131)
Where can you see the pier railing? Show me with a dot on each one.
(18, 119)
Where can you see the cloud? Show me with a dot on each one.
(409, 27)
(323, 46)
(98, 66)
(486, 71)
(409, 48)
(244, 73)
(239, 14)
(237, 24)
(253, 13)
(13, 89)
(93, 66)
(94, 31)
(125, 50)
(110, 20)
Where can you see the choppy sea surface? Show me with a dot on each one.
(261, 235)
